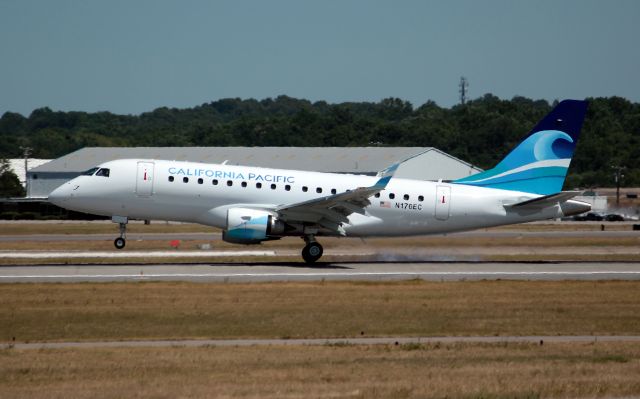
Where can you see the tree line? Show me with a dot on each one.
(481, 131)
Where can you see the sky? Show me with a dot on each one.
(132, 56)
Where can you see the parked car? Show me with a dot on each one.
(614, 217)
(589, 216)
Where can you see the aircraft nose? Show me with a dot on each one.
(61, 194)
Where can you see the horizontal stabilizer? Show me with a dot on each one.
(545, 201)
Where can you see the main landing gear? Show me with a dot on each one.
(312, 251)
(121, 241)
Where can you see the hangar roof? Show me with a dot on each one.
(322, 159)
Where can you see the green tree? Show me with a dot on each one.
(480, 132)
(9, 183)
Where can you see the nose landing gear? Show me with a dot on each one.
(312, 251)
(120, 242)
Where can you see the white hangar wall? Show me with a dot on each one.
(428, 163)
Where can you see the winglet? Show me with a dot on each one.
(385, 175)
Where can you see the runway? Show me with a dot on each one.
(343, 271)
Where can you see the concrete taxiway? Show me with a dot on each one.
(343, 271)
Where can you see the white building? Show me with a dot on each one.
(430, 164)
(17, 165)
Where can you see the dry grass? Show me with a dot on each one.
(577, 257)
(117, 311)
(98, 227)
(567, 226)
(107, 227)
(416, 371)
(422, 248)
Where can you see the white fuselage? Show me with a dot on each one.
(202, 193)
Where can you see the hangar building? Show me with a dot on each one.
(430, 164)
(19, 166)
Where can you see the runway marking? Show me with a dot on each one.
(325, 341)
(131, 254)
(478, 274)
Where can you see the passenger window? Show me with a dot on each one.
(214, 182)
(171, 178)
(406, 197)
(318, 190)
(89, 172)
(333, 191)
(420, 198)
(287, 187)
(104, 172)
(229, 183)
(200, 180)
(392, 195)
(377, 195)
(244, 184)
(185, 180)
(273, 186)
(258, 185)
(305, 189)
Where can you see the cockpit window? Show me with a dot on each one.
(103, 172)
(89, 172)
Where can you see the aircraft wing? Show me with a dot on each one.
(333, 210)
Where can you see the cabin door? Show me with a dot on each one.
(144, 180)
(443, 198)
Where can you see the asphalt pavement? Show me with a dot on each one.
(339, 271)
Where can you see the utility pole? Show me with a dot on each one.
(617, 175)
(26, 152)
(464, 87)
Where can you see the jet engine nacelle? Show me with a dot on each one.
(251, 226)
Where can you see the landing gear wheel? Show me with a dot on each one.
(119, 242)
(312, 252)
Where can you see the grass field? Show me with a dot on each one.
(419, 248)
(97, 227)
(123, 311)
(107, 227)
(338, 371)
(159, 310)
(333, 243)
(163, 310)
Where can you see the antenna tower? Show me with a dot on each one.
(464, 88)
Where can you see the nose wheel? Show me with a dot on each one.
(312, 251)
(120, 242)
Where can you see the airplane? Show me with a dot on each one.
(252, 204)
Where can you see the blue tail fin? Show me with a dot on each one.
(540, 162)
